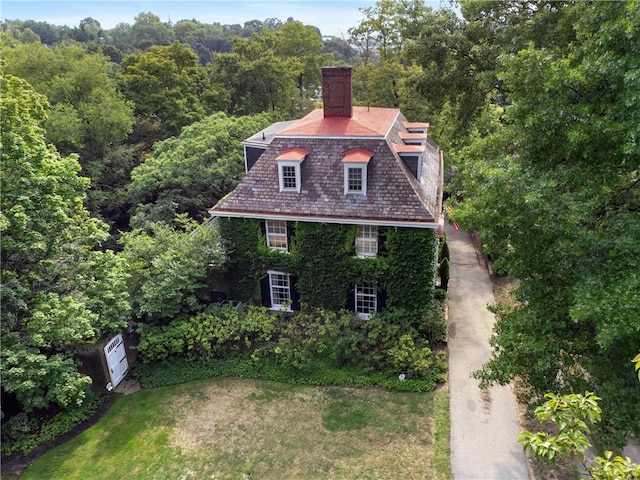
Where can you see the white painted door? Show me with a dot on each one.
(116, 359)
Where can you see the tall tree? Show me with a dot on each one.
(89, 30)
(191, 172)
(57, 289)
(301, 47)
(167, 83)
(555, 193)
(387, 26)
(258, 79)
(203, 38)
(170, 267)
(80, 87)
(147, 31)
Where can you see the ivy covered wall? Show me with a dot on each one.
(322, 257)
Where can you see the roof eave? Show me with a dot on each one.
(380, 222)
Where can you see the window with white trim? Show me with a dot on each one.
(366, 300)
(289, 176)
(277, 234)
(355, 179)
(413, 162)
(414, 141)
(280, 290)
(367, 241)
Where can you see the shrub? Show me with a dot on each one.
(406, 358)
(211, 334)
(25, 434)
(315, 334)
(305, 347)
(443, 251)
(318, 372)
(434, 322)
(444, 273)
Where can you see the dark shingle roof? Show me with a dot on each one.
(394, 195)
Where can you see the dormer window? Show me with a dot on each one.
(416, 127)
(356, 179)
(414, 138)
(355, 164)
(289, 163)
(411, 155)
(290, 177)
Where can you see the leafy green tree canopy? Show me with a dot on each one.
(170, 267)
(81, 88)
(555, 194)
(191, 172)
(57, 290)
(258, 79)
(167, 83)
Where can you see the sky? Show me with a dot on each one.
(330, 16)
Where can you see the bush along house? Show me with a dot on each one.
(339, 209)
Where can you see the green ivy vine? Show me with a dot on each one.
(322, 257)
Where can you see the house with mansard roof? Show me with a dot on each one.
(366, 169)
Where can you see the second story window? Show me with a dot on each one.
(277, 234)
(367, 241)
(289, 162)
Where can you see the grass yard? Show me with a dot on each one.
(240, 429)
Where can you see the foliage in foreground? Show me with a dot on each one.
(553, 188)
(319, 373)
(573, 414)
(24, 433)
(168, 266)
(58, 288)
(314, 347)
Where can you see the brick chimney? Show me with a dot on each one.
(337, 92)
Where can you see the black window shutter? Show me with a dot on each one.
(295, 296)
(351, 299)
(381, 297)
(291, 230)
(265, 291)
(382, 241)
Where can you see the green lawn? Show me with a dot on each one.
(237, 428)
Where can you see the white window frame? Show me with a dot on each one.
(367, 241)
(366, 300)
(420, 161)
(275, 235)
(279, 283)
(363, 170)
(296, 166)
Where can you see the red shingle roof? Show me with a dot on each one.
(408, 148)
(293, 154)
(357, 155)
(365, 122)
